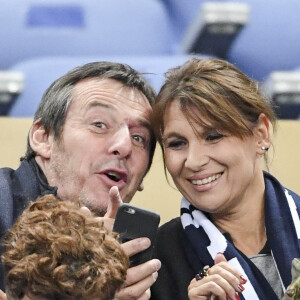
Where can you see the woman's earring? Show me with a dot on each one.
(264, 148)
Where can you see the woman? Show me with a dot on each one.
(239, 227)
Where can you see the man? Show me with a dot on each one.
(90, 133)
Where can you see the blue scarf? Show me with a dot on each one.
(282, 210)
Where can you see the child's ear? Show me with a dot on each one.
(40, 141)
(262, 134)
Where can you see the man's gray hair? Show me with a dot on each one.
(55, 102)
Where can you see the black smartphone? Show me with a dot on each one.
(133, 222)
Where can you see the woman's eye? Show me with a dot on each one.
(214, 136)
(174, 144)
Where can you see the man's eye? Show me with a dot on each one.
(100, 125)
(138, 138)
(214, 136)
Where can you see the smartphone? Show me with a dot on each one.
(133, 222)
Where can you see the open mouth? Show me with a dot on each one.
(116, 176)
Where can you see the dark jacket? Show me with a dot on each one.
(17, 188)
(176, 273)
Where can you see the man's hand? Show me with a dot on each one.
(2, 296)
(139, 278)
(114, 202)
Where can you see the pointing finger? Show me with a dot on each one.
(114, 202)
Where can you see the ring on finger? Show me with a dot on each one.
(203, 273)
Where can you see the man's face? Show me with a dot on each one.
(105, 142)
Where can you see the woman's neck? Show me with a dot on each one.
(245, 224)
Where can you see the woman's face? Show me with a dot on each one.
(212, 170)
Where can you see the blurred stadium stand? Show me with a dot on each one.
(73, 27)
(11, 86)
(270, 41)
(41, 72)
(264, 43)
(181, 15)
(215, 27)
(284, 88)
(258, 36)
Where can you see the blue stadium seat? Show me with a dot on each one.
(283, 87)
(215, 27)
(205, 26)
(39, 73)
(34, 28)
(11, 85)
(271, 39)
(181, 14)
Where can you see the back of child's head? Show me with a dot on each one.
(56, 251)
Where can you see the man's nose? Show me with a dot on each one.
(121, 143)
(197, 156)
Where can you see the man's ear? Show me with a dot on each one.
(141, 187)
(40, 141)
(262, 133)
